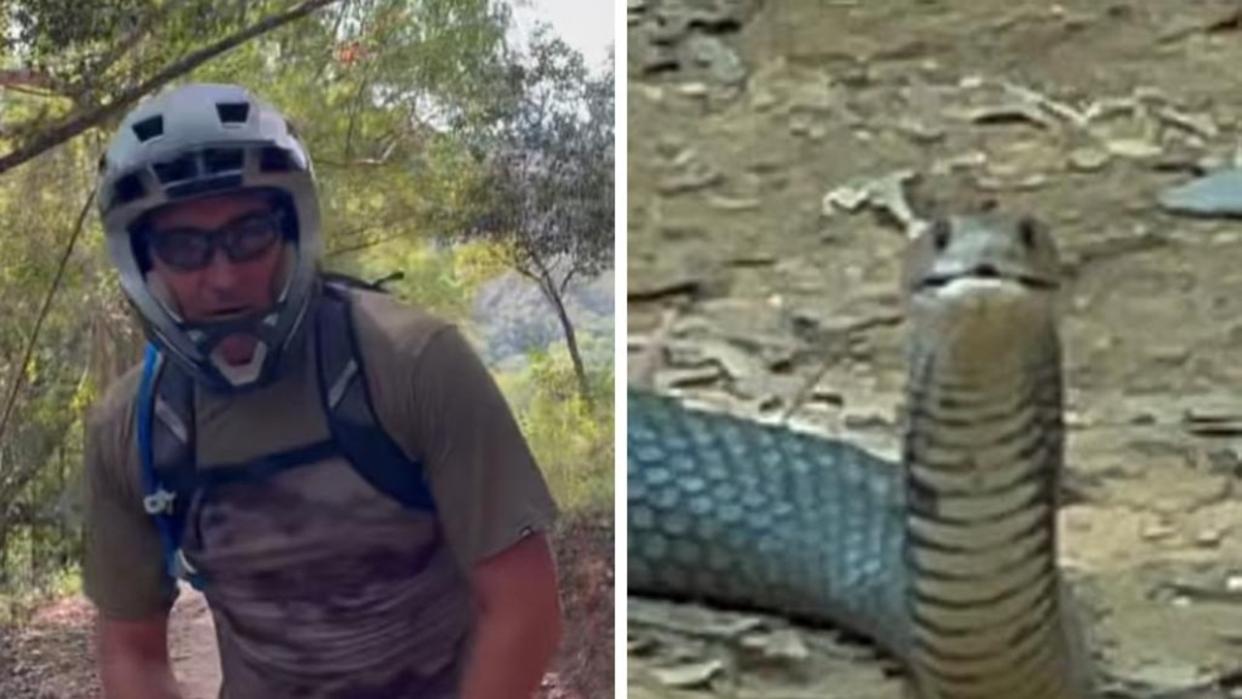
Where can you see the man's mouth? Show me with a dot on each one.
(227, 313)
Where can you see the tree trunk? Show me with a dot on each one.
(553, 296)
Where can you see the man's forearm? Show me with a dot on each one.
(136, 678)
(518, 624)
(512, 649)
(133, 659)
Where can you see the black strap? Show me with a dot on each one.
(347, 403)
(265, 467)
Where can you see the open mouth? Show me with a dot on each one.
(986, 271)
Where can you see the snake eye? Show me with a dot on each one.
(940, 234)
(1028, 229)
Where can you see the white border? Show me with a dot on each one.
(620, 364)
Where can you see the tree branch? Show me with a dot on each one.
(24, 77)
(76, 124)
(15, 388)
(568, 276)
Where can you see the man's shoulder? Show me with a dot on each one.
(115, 410)
(110, 427)
(389, 326)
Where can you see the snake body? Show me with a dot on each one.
(948, 560)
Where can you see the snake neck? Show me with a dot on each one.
(983, 450)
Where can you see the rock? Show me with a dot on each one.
(1156, 531)
(1089, 159)
(694, 176)
(785, 645)
(920, 131)
(724, 203)
(865, 421)
(886, 193)
(719, 59)
(1166, 675)
(1217, 194)
(690, 675)
(1134, 148)
(666, 379)
(1019, 111)
(1209, 538)
(1199, 124)
(1220, 418)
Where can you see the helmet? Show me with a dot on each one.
(203, 140)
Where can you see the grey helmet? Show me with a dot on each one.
(202, 140)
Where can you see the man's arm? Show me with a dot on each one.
(519, 621)
(133, 659)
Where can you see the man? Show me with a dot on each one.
(337, 472)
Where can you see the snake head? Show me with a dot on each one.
(991, 246)
(982, 287)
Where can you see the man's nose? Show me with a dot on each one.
(220, 272)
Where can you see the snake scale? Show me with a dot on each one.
(948, 559)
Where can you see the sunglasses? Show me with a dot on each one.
(191, 249)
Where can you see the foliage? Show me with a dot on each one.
(571, 438)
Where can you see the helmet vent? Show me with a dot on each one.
(233, 112)
(149, 128)
(274, 160)
(128, 188)
(223, 159)
(183, 168)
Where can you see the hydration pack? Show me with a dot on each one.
(171, 476)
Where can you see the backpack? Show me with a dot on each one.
(165, 416)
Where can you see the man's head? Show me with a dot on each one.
(219, 258)
(211, 213)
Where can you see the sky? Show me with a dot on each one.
(586, 25)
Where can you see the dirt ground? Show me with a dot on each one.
(764, 143)
(51, 657)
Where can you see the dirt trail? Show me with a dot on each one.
(192, 645)
(764, 141)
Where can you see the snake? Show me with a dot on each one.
(946, 559)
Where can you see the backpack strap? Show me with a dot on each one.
(171, 476)
(347, 404)
(165, 418)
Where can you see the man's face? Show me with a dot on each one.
(219, 258)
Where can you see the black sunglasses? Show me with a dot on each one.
(191, 249)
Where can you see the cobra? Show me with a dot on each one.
(947, 559)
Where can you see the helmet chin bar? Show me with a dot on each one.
(240, 374)
(207, 336)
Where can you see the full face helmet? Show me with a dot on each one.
(203, 140)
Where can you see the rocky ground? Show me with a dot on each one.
(776, 150)
(50, 657)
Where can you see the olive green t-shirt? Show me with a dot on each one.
(321, 586)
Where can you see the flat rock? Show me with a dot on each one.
(690, 674)
(1217, 194)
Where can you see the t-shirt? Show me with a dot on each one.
(320, 585)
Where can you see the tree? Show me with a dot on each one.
(546, 192)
